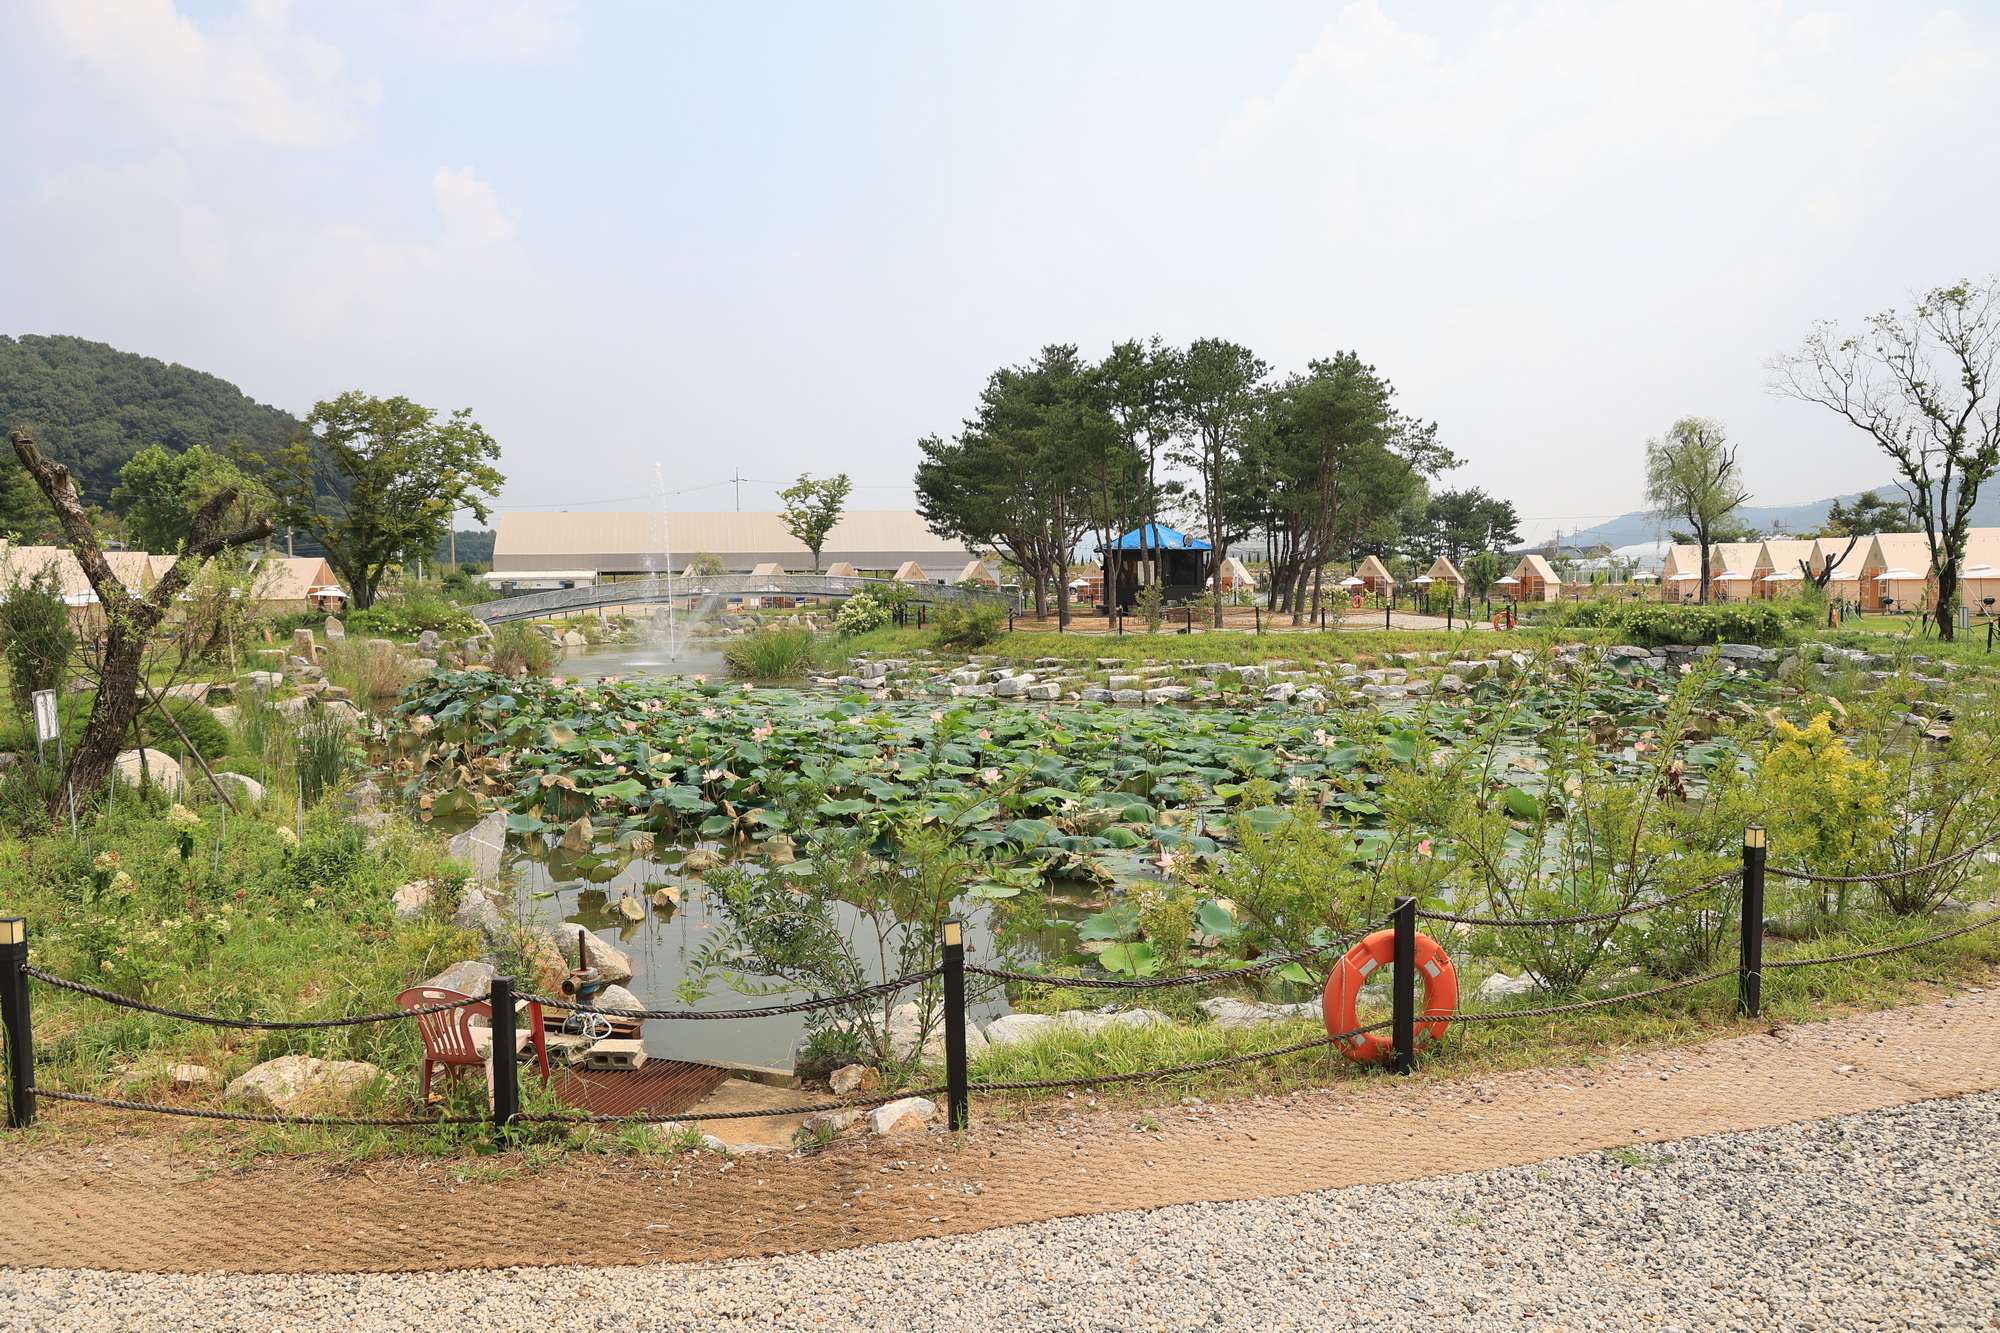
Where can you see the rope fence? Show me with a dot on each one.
(15, 973)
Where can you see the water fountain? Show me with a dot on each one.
(666, 621)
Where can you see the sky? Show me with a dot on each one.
(760, 240)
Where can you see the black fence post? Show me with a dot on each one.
(1405, 986)
(1386, 605)
(19, 1025)
(1750, 981)
(506, 1072)
(1010, 622)
(1257, 614)
(958, 1099)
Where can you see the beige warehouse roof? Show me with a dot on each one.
(633, 542)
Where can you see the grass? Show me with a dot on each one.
(1237, 647)
(780, 653)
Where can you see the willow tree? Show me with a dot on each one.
(1692, 478)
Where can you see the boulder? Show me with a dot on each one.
(1168, 694)
(1281, 692)
(855, 1078)
(428, 644)
(298, 1083)
(617, 997)
(472, 977)
(303, 647)
(1094, 696)
(186, 1077)
(410, 901)
(163, 770)
(196, 690)
(342, 712)
(1127, 697)
(481, 846)
(241, 786)
(1123, 682)
(335, 631)
(831, 1122)
(903, 1116)
(417, 666)
(1090, 1020)
(611, 962)
(1011, 687)
(1499, 986)
(227, 714)
(903, 1026)
(1011, 1028)
(477, 910)
(292, 708)
(1251, 675)
(571, 639)
(1228, 1012)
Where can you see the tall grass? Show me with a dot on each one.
(518, 649)
(774, 654)
(326, 754)
(366, 670)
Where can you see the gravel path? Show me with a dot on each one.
(1872, 1221)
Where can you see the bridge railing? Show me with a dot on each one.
(719, 588)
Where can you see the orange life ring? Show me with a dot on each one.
(1354, 602)
(1343, 989)
(1500, 620)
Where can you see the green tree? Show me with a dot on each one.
(25, 517)
(1219, 386)
(1457, 524)
(1136, 390)
(1922, 385)
(812, 508)
(1019, 477)
(159, 493)
(1481, 572)
(1868, 515)
(34, 625)
(375, 480)
(1692, 478)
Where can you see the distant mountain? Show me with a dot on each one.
(92, 407)
(1637, 527)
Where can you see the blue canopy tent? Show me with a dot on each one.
(1182, 564)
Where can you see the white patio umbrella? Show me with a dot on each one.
(1784, 576)
(1898, 574)
(1423, 578)
(1730, 576)
(1844, 576)
(1644, 576)
(1685, 576)
(1352, 582)
(1508, 578)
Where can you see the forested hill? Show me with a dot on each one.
(92, 406)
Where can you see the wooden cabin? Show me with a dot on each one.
(1535, 580)
(1375, 578)
(1156, 554)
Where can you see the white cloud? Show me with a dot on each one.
(253, 79)
(500, 30)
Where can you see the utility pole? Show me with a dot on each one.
(738, 479)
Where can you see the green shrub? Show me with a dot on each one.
(863, 612)
(518, 649)
(972, 626)
(1650, 624)
(34, 622)
(411, 614)
(208, 736)
(773, 654)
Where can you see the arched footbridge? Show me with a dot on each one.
(710, 595)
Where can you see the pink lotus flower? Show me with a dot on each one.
(631, 726)
(761, 732)
(991, 775)
(1169, 863)
(937, 717)
(1424, 847)
(985, 735)
(708, 712)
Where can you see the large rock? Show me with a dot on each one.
(1229, 1012)
(303, 646)
(1013, 687)
(410, 901)
(904, 1023)
(293, 1083)
(902, 1117)
(1011, 1028)
(481, 846)
(472, 977)
(854, 1078)
(571, 639)
(1089, 1020)
(617, 997)
(428, 644)
(612, 963)
(480, 911)
(162, 770)
(335, 631)
(1499, 986)
(241, 786)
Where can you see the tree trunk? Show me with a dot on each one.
(1703, 538)
(129, 620)
(1947, 603)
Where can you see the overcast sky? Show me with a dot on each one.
(782, 237)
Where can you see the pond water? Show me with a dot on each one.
(699, 658)
(662, 944)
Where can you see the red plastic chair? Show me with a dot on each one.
(448, 1034)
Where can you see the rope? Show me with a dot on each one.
(256, 1119)
(1703, 887)
(112, 997)
(1491, 1015)
(1887, 874)
(1180, 1069)
(1893, 948)
(852, 1105)
(1195, 979)
(802, 1007)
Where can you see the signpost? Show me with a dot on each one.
(48, 724)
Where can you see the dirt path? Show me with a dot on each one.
(116, 1207)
